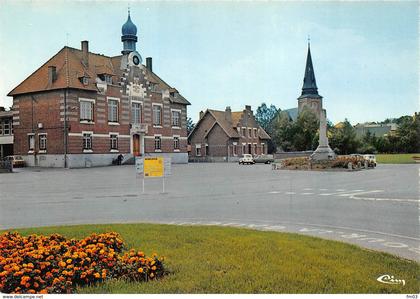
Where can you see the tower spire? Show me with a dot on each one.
(309, 82)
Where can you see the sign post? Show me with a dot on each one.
(154, 167)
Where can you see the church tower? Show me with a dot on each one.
(310, 99)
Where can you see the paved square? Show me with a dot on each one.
(377, 208)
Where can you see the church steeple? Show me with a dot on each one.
(309, 82)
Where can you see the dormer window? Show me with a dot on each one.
(85, 80)
(108, 79)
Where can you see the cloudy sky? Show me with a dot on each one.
(218, 54)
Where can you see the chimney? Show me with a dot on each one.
(149, 65)
(201, 114)
(85, 52)
(248, 108)
(228, 114)
(52, 74)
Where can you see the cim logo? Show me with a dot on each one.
(390, 279)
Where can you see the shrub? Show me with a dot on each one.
(54, 264)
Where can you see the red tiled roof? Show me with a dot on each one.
(70, 68)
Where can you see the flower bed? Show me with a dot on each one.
(54, 264)
(304, 163)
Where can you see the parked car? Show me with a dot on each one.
(266, 159)
(17, 161)
(371, 159)
(246, 159)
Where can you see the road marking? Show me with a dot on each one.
(274, 192)
(340, 192)
(309, 189)
(290, 192)
(323, 189)
(307, 193)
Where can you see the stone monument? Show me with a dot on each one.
(323, 151)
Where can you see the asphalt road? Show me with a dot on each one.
(376, 209)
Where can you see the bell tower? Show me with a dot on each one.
(310, 99)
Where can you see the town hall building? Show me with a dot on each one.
(83, 109)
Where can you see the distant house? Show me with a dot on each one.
(226, 135)
(378, 130)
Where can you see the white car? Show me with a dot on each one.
(371, 159)
(246, 159)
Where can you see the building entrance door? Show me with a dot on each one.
(136, 145)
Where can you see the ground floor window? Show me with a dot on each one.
(43, 142)
(234, 151)
(31, 142)
(262, 148)
(198, 149)
(176, 143)
(87, 141)
(114, 141)
(158, 143)
(255, 149)
(243, 149)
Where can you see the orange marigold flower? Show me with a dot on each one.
(30, 265)
(97, 275)
(154, 268)
(140, 270)
(43, 291)
(69, 261)
(62, 264)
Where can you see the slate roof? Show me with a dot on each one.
(292, 113)
(229, 127)
(70, 68)
(309, 82)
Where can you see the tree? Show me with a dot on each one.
(296, 136)
(190, 125)
(264, 117)
(344, 139)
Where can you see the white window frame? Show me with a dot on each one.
(111, 140)
(255, 148)
(31, 136)
(7, 123)
(255, 132)
(140, 114)
(158, 137)
(87, 149)
(176, 126)
(234, 150)
(156, 124)
(42, 147)
(92, 108)
(198, 150)
(176, 139)
(249, 132)
(243, 131)
(113, 119)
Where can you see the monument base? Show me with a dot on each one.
(323, 153)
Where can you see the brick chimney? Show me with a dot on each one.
(201, 114)
(248, 108)
(149, 65)
(228, 114)
(52, 74)
(85, 52)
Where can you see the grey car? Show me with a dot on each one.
(266, 159)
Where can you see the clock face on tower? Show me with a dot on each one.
(134, 58)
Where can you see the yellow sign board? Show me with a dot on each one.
(153, 167)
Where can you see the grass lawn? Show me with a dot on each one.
(395, 158)
(210, 259)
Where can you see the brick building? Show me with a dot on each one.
(83, 109)
(227, 135)
(6, 133)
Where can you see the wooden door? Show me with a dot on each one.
(136, 145)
